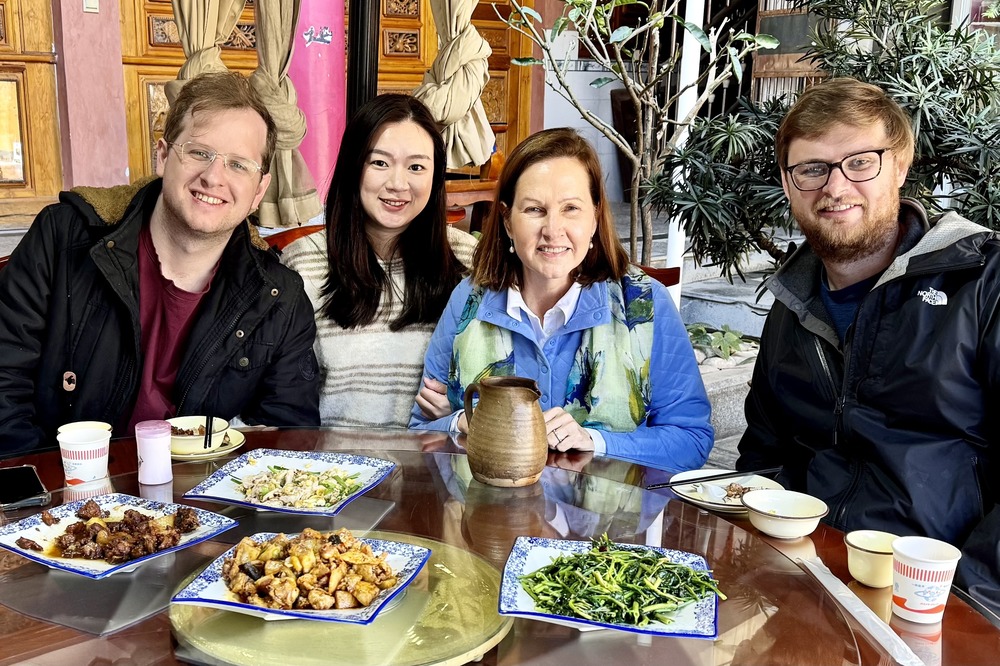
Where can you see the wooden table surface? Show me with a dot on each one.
(774, 614)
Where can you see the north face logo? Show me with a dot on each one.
(933, 297)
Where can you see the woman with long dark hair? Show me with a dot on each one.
(380, 273)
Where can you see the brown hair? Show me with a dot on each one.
(850, 102)
(220, 91)
(494, 267)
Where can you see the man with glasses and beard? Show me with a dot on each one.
(153, 300)
(877, 382)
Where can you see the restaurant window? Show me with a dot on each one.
(985, 15)
(978, 14)
(11, 130)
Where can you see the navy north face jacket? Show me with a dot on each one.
(899, 428)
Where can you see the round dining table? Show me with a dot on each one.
(775, 612)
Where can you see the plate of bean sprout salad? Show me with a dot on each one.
(599, 584)
(305, 482)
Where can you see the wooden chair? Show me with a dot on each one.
(476, 192)
(666, 276)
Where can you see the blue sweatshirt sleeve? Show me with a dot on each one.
(437, 360)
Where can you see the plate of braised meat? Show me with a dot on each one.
(109, 534)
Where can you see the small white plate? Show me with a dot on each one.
(220, 486)
(696, 495)
(236, 440)
(209, 525)
(209, 589)
(697, 620)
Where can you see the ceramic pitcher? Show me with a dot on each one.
(506, 443)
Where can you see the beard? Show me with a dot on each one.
(878, 230)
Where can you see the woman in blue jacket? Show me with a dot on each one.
(552, 297)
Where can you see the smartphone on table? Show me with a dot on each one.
(20, 486)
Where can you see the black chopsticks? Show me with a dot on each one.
(714, 477)
(209, 422)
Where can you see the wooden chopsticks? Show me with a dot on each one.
(209, 422)
(714, 477)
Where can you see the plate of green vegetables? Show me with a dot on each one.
(601, 584)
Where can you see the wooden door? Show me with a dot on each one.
(30, 161)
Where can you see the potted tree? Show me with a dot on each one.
(632, 56)
(725, 186)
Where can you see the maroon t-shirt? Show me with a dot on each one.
(166, 314)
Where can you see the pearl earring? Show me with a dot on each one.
(591, 245)
(511, 250)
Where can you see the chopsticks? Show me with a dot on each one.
(209, 422)
(714, 477)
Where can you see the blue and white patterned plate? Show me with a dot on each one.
(220, 486)
(697, 620)
(209, 589)
(209, 525)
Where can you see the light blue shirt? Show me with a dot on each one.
(676, 434)
(549, 325)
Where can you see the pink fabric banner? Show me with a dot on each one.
(318, 71)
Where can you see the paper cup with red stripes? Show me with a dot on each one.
(84, 454)
(922, 571)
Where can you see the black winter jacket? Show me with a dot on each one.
(69, 304)
(899, 429)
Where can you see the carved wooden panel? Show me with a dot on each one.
(156, 116)
(494, 98)
(496, 37)
(163, 32)
(402, 8)
(401, 43)
(3, 24)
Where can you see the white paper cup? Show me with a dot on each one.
(922, 571)
(84, 454)
(152, 440)
(84, 425)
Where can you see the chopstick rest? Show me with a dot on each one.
(850, 602)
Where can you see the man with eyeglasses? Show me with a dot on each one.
(877, 381)
(159, 299)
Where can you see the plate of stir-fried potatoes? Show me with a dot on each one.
(332, 576)
(306, 482)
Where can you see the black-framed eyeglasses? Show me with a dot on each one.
(857, 168)
(192, 152)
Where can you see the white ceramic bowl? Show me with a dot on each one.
(184, 444)
(784, 514)
(869, 557)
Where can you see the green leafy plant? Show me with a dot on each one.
(723, 343)
(632, 56)
(725, 187)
